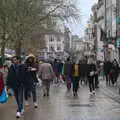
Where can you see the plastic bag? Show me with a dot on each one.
(4, 96)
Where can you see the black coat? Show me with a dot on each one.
(83, 70)
(107, 67)
(30, 77)
(16, 76)
(91, 68)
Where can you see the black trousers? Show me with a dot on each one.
(96, 81)
(91, 81)
(32, 90)
(75, 84)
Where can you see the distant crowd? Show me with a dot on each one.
(22, 77)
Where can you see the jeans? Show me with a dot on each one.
(75, 84)
(46, 86)
(91, 81)
(18, 92)
(30, 90)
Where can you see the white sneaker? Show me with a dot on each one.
(93, 92)
(22, 112)
(90, 93)
(26, 103)
(35, 105)
(18, 115)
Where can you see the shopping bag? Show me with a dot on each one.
(4, 96)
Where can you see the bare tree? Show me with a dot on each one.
(20, 20)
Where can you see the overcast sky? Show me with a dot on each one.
(85, 11)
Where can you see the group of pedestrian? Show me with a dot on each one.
(22, 80)
(23, 77)
(111, 71)
(74, 71)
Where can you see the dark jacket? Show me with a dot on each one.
(91, 68)
(115, 70)
(107, 67)
(83, 70)
(68, 69)
(30, 76)
(16, 76)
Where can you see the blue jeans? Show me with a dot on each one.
(18, 92)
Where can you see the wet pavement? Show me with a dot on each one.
(61, 105)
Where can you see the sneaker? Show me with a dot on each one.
(93, 92)
(26, 103)
(22, 112)
(18, 115)
(90, 93)
(35, 105)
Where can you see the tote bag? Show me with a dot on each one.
(3, 96)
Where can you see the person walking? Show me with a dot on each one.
(76, 78)
(47, 75)
(31, 79)
(91, 76)
(107, 69)
(114, 73)
(68, 73)
(15, 81)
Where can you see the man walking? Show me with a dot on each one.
(15, 81)
(46, 74)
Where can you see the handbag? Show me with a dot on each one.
(92, 73)
(4, 96)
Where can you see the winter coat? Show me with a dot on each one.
(73, 70)
(68, 69)
(16, 76)
(30, 76)
(91, 68)
(83, 70)
(114, 71)
(46, 72)
(107, 67)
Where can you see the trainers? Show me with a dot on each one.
(26, 103)
(93, 92)
(18, 115)
(35, 105)
(22, 112)
(90, 93)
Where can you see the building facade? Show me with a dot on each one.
(54, 46)
(105, 29)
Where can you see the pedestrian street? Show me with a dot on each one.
(61, 105)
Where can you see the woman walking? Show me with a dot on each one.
(31, 79)
(76, 78)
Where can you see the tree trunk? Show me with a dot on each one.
(3, 44)
(18, 48)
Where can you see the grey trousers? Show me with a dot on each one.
(46, 86)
